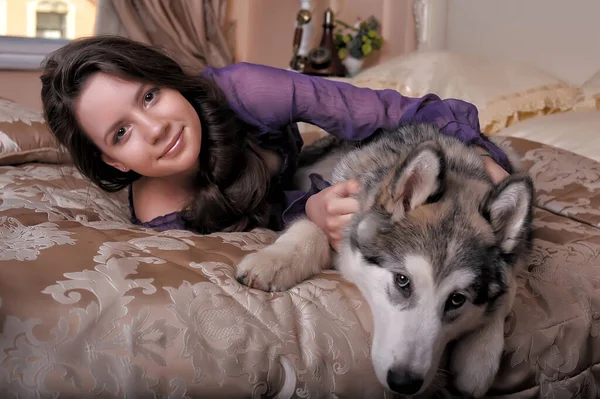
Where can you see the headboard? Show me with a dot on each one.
(557, 35)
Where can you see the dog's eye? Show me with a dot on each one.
(455, 301)
(402, 281)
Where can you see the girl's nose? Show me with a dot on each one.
(155, 128)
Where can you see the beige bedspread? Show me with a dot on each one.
(91, 305)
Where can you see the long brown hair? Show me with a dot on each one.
(232, 185)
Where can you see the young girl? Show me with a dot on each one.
(218, 152)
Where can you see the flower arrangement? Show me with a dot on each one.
(358, 41)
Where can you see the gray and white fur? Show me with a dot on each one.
(434, 249)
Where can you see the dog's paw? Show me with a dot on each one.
(475, 362)
(474, 381)
(270, 269)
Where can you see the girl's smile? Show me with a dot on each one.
(174, 147)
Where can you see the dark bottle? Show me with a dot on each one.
(324, 60)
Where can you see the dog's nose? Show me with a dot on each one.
(403, 382)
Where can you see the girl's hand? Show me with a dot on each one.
(332, 208)
(496, 172)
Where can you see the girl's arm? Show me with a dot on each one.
(271, 98)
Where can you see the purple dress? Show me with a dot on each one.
(273, 100)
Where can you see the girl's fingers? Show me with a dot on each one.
(496, 172)
(345, 188)
(336, 226)
(343, 206)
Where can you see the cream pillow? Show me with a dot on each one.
(591, 93)
(577, 132)
(502, 90)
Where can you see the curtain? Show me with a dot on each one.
(192, 31)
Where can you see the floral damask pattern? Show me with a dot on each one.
(19, 242)
(256, 241)
(92, 306)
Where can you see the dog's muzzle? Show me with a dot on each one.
(403, 382)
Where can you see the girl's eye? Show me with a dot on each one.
(149, 96)
(119, 135)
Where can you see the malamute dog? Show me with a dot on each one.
(435, 250)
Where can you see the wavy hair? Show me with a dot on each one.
(231, 191)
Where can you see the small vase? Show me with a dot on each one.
(353, 65)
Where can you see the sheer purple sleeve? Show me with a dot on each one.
(456, 118)
(271, 98)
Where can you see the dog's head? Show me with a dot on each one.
(432, 250)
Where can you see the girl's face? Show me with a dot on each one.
(150, 130)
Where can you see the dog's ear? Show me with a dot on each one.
(371, 226)
(508, 207)
(418, 180)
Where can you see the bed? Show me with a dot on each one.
(93, 306)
